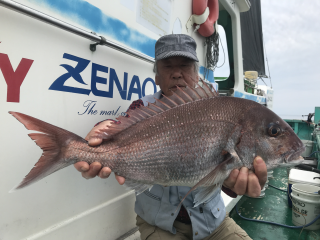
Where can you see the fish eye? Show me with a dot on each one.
(274, 130)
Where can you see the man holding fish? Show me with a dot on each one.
(177, 65)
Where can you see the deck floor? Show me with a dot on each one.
(274, 208)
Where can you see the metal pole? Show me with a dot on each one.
(70, 28)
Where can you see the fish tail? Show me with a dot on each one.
(53, 141)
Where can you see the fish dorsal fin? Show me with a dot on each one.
(183, 95)
(211, 93)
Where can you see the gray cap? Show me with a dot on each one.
(174, 45)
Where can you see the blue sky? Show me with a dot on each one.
(291, 32)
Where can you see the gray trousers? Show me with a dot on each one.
(228, 230)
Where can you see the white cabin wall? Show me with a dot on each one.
(64, 205)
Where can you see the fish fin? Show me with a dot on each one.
(216, 177)
(211, 93)
(52, 140)
(181, 96)
(155, 107)
(205, 193)
(162, 104)
(183, 93)
(201, 91)
(192, 93)
(138, 187)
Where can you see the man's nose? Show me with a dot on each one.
(176, 73)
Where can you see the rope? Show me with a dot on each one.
(212, 55)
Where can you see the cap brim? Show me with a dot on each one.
(177, 54)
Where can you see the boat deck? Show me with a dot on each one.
(274, 208)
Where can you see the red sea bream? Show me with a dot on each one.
(192, 138)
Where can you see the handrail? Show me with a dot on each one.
(70, 28)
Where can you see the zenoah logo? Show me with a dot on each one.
(15, 78)
(135, 86)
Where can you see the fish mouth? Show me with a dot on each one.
(292, 158)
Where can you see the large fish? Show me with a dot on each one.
(192, 138)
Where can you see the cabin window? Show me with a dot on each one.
(222, 71)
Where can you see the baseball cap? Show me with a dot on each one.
(174, 45)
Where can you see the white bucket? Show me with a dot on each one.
(305, 205)
(308, 144)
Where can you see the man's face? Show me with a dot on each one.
(175, 71)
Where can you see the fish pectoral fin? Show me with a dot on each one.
(138, 187)
(205, 193)
(215, 178)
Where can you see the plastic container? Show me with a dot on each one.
(301, 177)
(262, 194)
(306, 205)
(308, 144)
(270, 174)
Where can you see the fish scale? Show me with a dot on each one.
(193, 138)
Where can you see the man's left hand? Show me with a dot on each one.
(245, 181)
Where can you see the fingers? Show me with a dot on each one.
(81, 166)
(94, 141)
(93, 171)
(120, 179)
(240, 186)
(104, 172)
(248, 182)
(231, 180)
(97, 141)
(254, 189)
(260, 170)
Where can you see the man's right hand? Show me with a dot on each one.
(95, 168)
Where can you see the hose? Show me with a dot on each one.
(277, 224)
(277, 188)
(314, 152)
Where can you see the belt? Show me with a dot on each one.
(183, 216)
(183, 220)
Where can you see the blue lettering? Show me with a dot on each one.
(87, 104)
(95, 79)
(58, 84)
(74, 72)
(144, 86)
(132, 89)
(117, 110)
(102, 112)
(114, 78)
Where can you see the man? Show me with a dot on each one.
(176, 65)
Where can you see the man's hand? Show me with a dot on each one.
(245, 181)
(95, 168)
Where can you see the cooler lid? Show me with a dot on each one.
(301, 176)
